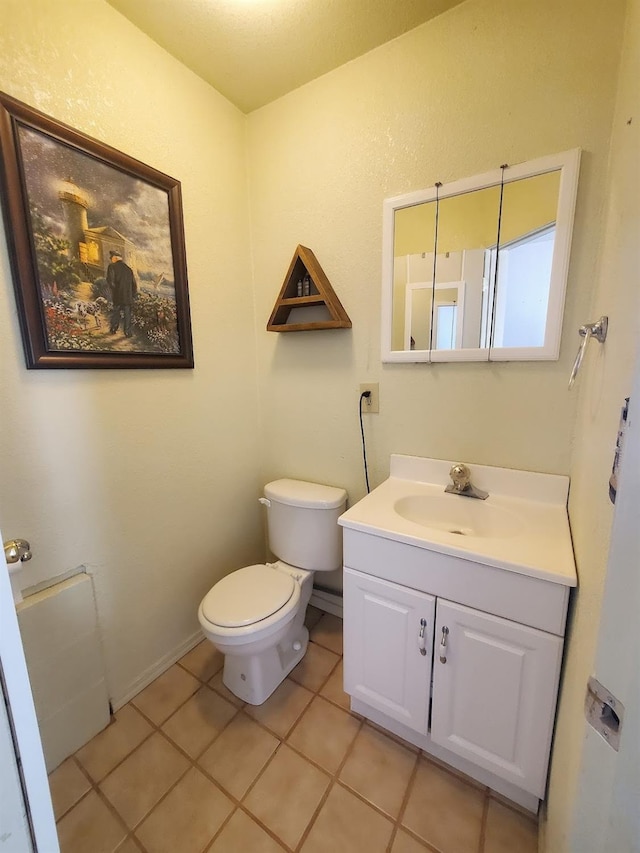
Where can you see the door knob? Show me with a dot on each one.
(17, 550)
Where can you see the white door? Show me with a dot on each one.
(388, 647)
(494, 693)
(15, 833)
(606, 815)
(26, 814)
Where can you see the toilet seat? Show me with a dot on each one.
(247, 596)
(249, 604)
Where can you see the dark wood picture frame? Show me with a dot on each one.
(66, 295)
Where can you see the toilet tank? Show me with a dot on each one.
(302, 523)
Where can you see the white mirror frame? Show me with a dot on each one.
(568, 162)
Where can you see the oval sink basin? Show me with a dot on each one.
(459, 515)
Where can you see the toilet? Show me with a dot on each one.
(255, 615)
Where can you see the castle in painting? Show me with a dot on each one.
(91, 246)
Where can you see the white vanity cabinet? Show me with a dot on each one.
(389, 634)
(454, 616)
(494, 693)
(481, 697)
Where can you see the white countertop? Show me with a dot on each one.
(531, 535)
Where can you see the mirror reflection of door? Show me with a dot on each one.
(447, 315)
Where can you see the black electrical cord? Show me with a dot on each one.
(364, 396)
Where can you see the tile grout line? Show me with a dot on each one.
(157, 729)
(98, 782)
(173, 785)
(469, 781)
(240, 804)
(110, 808)
(483, 824)
(220, 830)
(330, 787)
(177, 708)
(283, 741)
(326, 678)
(82, 796)
(316, 814)
(193, 762)
(237, 802)
(94, 787)
(405, 800)
(264, 827)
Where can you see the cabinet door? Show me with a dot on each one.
(388, 647)
(494, 693)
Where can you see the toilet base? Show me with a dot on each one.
(253, 678)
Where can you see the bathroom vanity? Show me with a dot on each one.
(454, 617)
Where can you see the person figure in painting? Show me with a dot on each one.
(124, 291)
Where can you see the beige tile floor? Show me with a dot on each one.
(186, 767)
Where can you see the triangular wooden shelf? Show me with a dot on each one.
(303, 262)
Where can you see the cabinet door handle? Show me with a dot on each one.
(422, 640)
(443, 645)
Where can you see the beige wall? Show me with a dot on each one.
(470, 220)
(605, 382)
(147, 477)
(489, 82)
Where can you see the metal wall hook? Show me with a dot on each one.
(597, 330)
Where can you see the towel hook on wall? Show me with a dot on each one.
(597, 330)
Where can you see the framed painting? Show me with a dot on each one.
(96, 242)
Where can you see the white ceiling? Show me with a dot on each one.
(254, 51)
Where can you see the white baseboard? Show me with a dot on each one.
(156, 670)
(330, 602)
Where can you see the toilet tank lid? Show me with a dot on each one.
(301, 493)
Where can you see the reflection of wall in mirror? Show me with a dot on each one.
(414, 229)
(475, 297)
(398, 302)
(418, 317)
(469, 220)
(528, 205)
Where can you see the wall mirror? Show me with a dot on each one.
(476, 270)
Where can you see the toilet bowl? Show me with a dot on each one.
(255, 615)
(256, 619)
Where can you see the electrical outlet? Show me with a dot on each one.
(371, 404)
